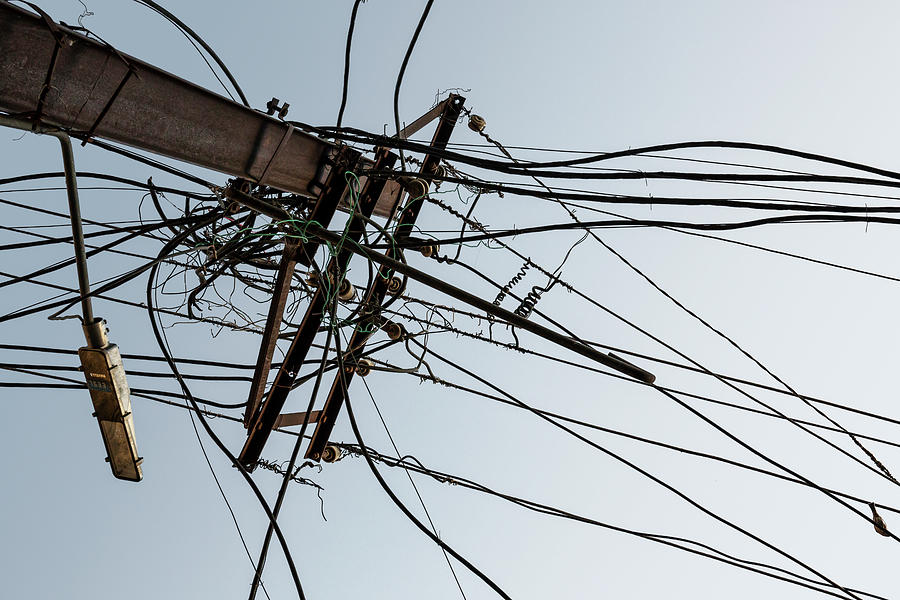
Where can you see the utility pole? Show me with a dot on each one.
(56, 78)
(384, 280)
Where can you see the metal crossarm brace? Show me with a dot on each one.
(333, 190)
(375, 295)
(270, 333)
(261, 426)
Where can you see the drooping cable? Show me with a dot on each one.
(209, 431)
(340, 116)
(409, 51)
(421, 526)
(191, 34)
(645, 473)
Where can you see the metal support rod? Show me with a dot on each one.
(272, 329)
(84, 284)
(579, 347)
(261, 426)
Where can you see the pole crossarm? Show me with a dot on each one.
(333, 190)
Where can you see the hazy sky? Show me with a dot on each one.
(596, 76)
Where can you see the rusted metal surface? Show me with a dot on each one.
(90, 89)
(411, 129)
(261, 426)
(376, 293)
(294, 419)
(283, 278)
(334, 191)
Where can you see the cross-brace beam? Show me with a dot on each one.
(270, 410)
(376, 292)
(332, 191)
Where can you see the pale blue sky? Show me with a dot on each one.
(816, 76)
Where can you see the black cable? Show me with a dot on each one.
(222, 491)
(143, 229)
(467, 483)
(521, 349)
(46, 239)
(190, 32)
(340, 117)
(106, 177)
(288, 474)
(394, 497)
(349, 133)
(882, 470)
(719, 144)
(409, 50)
(595, 152)
(645, 473)
(637, 438)
(658, 340)
(67, 303)
(133, 304)
(705, 323)
(628, 223)
(408, 463)
(156, 332)
(414, 486)
(744, 244)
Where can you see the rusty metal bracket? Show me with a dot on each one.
(270, 409)
(450, 111)
(297, 418)
(270, 332)
(331, 195)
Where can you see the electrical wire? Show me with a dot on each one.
(192, 37)
(409, 50)
(394, 497)
(411, 464)
(646, 474)
(340, 116)
(209, 431)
